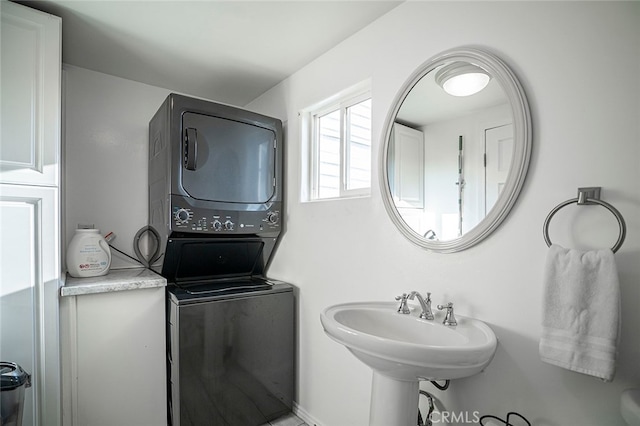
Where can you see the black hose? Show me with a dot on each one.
(123, 253)
(143, 260)
(431, 408)
(506, 422)
(441, 387)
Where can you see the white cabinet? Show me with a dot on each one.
(29, 204)
(30, 101)
(407, 175)
(114, 350)
(29, 273)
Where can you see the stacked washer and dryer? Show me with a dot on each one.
(215, 201)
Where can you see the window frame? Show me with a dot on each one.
(341, 102)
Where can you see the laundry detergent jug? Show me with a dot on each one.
(88, 254)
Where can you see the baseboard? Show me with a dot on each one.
(304, 415)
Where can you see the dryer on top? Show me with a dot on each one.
(214, 171)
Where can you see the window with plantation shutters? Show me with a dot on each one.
(340, 148)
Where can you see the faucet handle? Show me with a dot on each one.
(449, 318)
(403, 308)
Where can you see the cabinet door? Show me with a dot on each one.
(120, 364)
(29, 271)
(30, 102)
(498, 152)
(408, 173)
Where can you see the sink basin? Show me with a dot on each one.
(409, 348)
(404, 349)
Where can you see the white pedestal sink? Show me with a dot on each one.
(404, 349)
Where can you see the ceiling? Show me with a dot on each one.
(228, 51)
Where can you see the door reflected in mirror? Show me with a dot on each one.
(454, 158)
(449, 155)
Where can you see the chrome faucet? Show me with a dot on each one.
(403, 308)
(449, 318)
(424, 304)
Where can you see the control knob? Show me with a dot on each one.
(217, 225)
(182, 216)
(273, 218)
(228, 225)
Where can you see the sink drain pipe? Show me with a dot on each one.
(439, 386)
(427, 420)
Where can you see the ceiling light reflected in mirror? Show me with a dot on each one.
(462, 79)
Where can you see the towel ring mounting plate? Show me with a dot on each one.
(588, 196)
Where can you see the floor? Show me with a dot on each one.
(288, 420)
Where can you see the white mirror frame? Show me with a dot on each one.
(519, 163)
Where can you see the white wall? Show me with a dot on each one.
(106, 122)
(579, 63)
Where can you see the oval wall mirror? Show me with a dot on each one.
(455, 150)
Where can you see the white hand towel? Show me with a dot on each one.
(581, 315)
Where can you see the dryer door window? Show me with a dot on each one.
(226, 160)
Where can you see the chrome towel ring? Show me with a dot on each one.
(588, 196)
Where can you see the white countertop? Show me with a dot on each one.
(115, 280)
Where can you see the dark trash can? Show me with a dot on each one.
(13, 381)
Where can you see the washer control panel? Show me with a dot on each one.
(189, 219)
